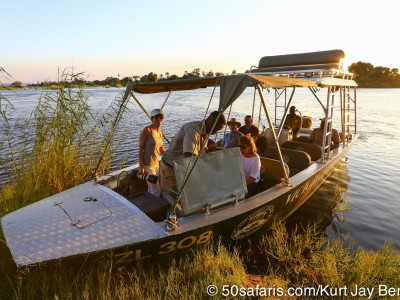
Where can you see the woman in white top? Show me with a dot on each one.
(251, 163)
(150, 147)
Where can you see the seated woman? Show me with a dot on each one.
(262, 145)
(251, 163)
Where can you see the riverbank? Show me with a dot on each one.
(288, 264)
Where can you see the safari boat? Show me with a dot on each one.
(115, 212)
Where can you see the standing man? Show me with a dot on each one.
(231, 139)
(294, 121)
(188, 141)
(248, 127)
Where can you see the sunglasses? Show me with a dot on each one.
(243, 146)
(159, 117)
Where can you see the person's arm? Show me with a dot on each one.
(311, 136)
(254, 170)
(191, 143)
(250, 180)
(142, 144)
(162, 148)
(223, 141)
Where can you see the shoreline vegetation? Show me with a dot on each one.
(65, 153)
(302, 263)
(365, 74)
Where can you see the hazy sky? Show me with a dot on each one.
(107, 38)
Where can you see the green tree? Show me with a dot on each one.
(151, 77)
(17, 84)
(366, 75)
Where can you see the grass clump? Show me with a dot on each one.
(309, 260)
(180, 278)
(286, 260)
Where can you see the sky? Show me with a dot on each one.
(39, 39)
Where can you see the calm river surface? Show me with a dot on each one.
(370, 178)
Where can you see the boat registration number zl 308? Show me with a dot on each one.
(168, 247)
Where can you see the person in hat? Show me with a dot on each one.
(294, 121)
(231, 138)
(190, 140)
(151, 146)
(317, 135)
(248, 127)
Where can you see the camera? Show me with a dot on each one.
(150, 178)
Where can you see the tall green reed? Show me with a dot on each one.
(67, 146)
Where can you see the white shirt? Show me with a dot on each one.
(251, 166)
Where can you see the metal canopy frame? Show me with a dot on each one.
(348, 105)
(280, 83)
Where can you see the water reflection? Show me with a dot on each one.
(325, 208)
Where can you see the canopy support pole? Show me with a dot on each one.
(141, 106)
(316, 97)
(285, 180)
(254, 102)
(166, 99)
(146, 112)
(285, 113)
(114, 125)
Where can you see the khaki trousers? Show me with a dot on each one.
(167, 178)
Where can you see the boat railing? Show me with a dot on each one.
(307, 73)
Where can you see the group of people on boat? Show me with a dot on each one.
(191, 137)
(231, 139)
(295, 123)
(188, 141)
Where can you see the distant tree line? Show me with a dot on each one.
(365, 74)
(120, 82)
(368, 76)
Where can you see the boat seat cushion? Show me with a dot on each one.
(154, 207)
(271, 170)
(329, 57)
(296, 160)
(314, 151)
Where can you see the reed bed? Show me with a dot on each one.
(66, 148)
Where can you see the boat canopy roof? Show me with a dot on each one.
(231, 87)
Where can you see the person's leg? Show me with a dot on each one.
(153, 188)
(167, 178)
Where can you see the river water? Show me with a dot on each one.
(368, 180)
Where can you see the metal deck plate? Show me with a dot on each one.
(58, 226)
